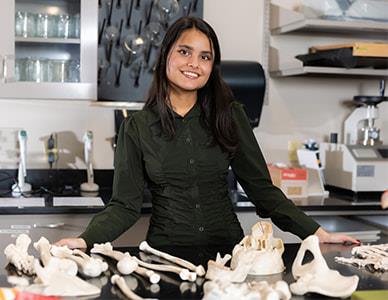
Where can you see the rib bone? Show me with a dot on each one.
(17, 254)
(144, 246)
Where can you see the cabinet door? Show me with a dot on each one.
(56, 62)
(7, 40)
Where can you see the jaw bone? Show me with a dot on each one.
(315, 276)
(268, 250)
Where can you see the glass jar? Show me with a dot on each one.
(25, 24)
(74, 71)
(63, 26)
(45, 25)
(58, 70)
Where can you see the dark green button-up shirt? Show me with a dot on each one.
(187, 179)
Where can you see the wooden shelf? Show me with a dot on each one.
(47, 41)
(286, 21)
(328, 71)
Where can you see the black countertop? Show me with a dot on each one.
(171, 287)
(340, 204)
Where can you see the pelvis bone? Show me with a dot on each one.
(315, 276)
(268, 250)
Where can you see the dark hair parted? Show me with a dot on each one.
(214, 98)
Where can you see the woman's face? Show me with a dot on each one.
(190, 61)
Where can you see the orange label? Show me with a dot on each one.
(294, 174)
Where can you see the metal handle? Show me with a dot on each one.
(7, 71)
(52, 225)
(1, 68)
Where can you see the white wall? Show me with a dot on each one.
(299, 107)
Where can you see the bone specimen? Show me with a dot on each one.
(88, 266)
(17, 255)
(184, 274)
(126, 263)
(51, 281)
(216, 270)
(181, 262)
(315, 276)
(374, 257)
(61, 264)
(269, 250)
(120, 282)
(246, 291)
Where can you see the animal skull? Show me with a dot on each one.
(268, 250)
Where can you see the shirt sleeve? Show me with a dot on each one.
(124, 208)
(251, 171)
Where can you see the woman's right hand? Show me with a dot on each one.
(72, 243)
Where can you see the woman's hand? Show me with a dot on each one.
(334, 238)
(72, 243)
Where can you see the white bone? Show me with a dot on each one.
(144, 246)
(269, 250)
(88, 266)
(18, 281)
(103, 264)
(315, 276)
(218, 271)
(57, 283)
(373, 255)
(184, 274)
(153, 277)
(126, 263)
(64, 265)
(17, 254)
(262, 290)
(120, 282)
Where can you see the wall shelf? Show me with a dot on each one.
(328, 71)
(47, 41)
(285, 45)
(287, 21)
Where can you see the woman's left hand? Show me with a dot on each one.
(334, 238)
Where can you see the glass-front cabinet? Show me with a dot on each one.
(48, 49)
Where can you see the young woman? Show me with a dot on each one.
(182, 143)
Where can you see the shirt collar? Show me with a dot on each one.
(154, 117)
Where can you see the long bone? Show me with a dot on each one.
(184, 274)
(126, 264)
(17, 254)
(61, 264)
(144, 246)
(120, 282)
(103, 265)
(88, 266)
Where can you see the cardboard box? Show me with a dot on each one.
(292, 181)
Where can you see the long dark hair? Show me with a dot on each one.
(214, 98)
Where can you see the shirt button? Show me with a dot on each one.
(197, 205)
(188, 140)
(191, 161)
(201, 229)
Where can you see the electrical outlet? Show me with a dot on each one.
(9, 148)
